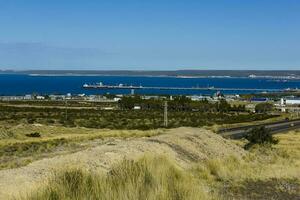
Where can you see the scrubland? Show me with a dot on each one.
(58, 153)
(94, 117)
(216, 169)
(31, 133)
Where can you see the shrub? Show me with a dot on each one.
(50, 121)
(259, 135)
(35, 134)
(30, 120)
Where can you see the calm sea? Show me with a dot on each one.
(26, 84)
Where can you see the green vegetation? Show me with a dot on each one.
(58, 103)
(272, 95)
(182, 112)
(264, 173)
(35, 134)
(180, 103)
(263, 108)
(261, 136)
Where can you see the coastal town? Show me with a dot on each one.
(282, 103)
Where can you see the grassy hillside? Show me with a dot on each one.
(263, 173)
(19, 146)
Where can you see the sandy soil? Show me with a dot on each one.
(184, 145)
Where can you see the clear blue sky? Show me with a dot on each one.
(149, 34)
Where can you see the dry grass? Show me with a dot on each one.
(17, 149)
(264, 173)
(151, 178)
(184, 146)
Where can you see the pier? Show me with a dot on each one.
(131, 87)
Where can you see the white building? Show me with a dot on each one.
(198, 98)
(11, 98)
(108, 108)
(116, 99)
(137, 107)
(293, 101)
(40, 97)
(69, 96)
(56, 97)
(28, 97)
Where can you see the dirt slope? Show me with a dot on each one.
(185, 145)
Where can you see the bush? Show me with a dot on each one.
(35, 134)
(50, 121)
(30, 120)
(259, 135)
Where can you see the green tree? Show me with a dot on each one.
(263, 107)
(128, 102)
(223, 106)
(180, 103)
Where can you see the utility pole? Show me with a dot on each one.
(166, 114)
(66, 106)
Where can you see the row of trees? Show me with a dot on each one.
(180, 103)
(183, 103)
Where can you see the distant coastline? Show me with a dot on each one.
(59, 83)
(274, 74)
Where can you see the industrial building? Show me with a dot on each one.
(290, 101)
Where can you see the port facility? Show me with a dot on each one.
(132, 87)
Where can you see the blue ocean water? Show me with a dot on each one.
(12, 84)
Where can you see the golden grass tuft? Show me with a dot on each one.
(151, 178)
